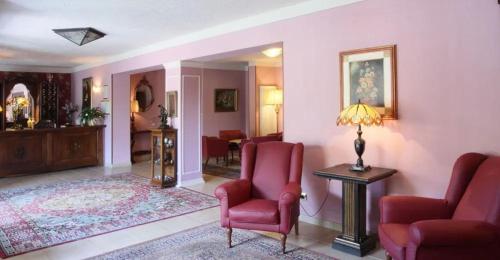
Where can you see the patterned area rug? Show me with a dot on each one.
(47, 215)
(209, 242)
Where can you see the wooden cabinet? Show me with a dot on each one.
(36, 151)
(22, 153)
(164, 157)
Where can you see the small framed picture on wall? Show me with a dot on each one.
(369, 76)
(86, 93)
(171, 102)
(226, 100)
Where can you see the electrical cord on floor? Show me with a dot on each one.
(322, 203)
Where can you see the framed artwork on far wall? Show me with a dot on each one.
(87, 93)
(171, 102)
(226, 100)
(369, 75)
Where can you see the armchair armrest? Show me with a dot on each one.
(289, 195)
(233, 193)
(447, 232)
(408, 209)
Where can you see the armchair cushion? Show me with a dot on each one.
(257, 211)
(394, 237)
(459, 233)
(408, 209)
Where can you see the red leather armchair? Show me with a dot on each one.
(463, 225)
(214, 147)
(267, 196)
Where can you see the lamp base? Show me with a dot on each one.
(359, 168)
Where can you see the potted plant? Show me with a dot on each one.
(89, 116)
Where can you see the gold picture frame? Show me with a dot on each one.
(171, 103)
(226, 100)
(369, 75)
(87, 93)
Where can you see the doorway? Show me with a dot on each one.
(241, 101)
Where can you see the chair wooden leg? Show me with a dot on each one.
(283, 243)
(206, 162)
(387, 256)
(229, 233)
(297, 228)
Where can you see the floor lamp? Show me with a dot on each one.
(275, 98)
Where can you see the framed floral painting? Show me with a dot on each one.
(226, 100)
(369, 76)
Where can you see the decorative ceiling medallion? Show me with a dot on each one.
(80, 36)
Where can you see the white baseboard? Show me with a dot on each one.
(119, 165)
(190, 182)
(320, 222)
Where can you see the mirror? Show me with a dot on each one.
(144, 95)
(20, 103)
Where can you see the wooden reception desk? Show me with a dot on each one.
(41, 150)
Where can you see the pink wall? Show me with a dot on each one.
(448, 64)
(148, 119)
(215, 121)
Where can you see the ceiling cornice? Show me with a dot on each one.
(215, 66)
(238, 25)
(29, 68)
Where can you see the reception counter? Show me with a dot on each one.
(42, 150)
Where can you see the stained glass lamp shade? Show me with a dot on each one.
(359, 114)
(80, 36)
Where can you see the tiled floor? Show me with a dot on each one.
(312, 237)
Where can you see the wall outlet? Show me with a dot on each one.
(303, 195)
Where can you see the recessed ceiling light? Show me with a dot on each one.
(272, 52)
(80, 36)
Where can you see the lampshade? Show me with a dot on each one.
(80, 36)
(134, 106)
(359, 114)
(275, 97)
(1, 109)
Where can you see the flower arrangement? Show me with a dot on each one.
(70, 109)
(17, 104)
(89, 115)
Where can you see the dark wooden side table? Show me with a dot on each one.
(353, 239)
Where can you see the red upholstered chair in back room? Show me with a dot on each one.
(214, 147)
(267, 196)
(231, 135)
(262, 139)
(463, 225)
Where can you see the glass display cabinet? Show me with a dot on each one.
(164, 157)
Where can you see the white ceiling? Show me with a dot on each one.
(26, 37)
(240, 59)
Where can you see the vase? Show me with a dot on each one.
(17, 125)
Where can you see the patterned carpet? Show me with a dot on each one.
(47, 215)
(209, 242)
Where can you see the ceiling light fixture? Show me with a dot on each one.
(272, 52)
(80, 36)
